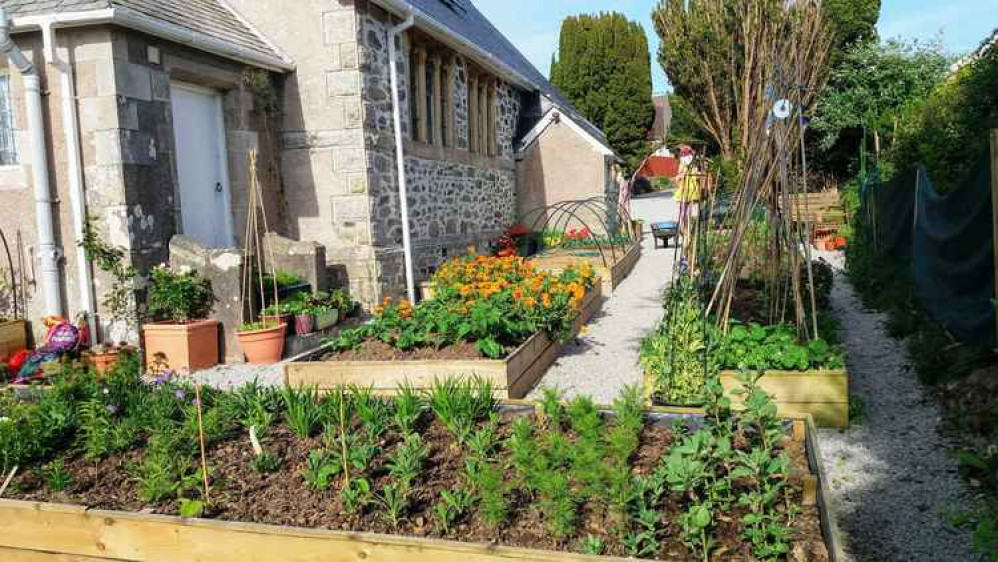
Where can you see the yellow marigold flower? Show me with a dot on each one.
(546, 300)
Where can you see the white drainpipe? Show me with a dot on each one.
(48, 252)
(393, 33)
(77, 197)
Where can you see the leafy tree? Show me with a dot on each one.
(719, 57)
(948, 130)
(852, 21)
(873, 85)
(604, 68)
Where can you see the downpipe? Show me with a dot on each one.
(48, 252)
(393, 33)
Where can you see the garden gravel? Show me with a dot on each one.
(892, 477)
(604, 360)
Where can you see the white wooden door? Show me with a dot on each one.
(202, 167)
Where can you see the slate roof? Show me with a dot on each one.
(212, 18)
(463, 19)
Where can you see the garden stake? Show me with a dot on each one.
(204, 462)
(6, 482)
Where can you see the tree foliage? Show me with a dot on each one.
(873, 85)
(719, 57)
(604, 68)
(948, 130)
(851, 21)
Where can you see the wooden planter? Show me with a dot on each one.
(556, 261)
(512, 377)
(13, 337)
(46, 532)
(822, 394)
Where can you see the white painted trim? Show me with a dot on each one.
(556, 116)
(138, 21)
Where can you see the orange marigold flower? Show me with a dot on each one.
(530, 302)
(546, 300)
(518, 293)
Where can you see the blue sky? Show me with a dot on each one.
(533, 25)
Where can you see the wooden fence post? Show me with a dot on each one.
(994, 204)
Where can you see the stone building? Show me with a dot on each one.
(151, 109)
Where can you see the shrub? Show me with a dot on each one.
(180, 295)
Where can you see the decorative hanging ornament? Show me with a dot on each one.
(783, 109)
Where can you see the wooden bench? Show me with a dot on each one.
(823, 211)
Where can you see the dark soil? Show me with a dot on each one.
(239, 493)
(376, 350)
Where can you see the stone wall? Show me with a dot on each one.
(455, 198)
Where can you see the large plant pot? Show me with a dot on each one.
(263, 347)
(182, 348)
(327, 320)
(304, 324)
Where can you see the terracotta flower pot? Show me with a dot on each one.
(103, 361)
(182, 348)
(286, 319)
(263, 347)
(304, 324)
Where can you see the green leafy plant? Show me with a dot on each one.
(56, 476)
(409, 407)
(265, 462)
(180, 295)
(451, 506)
(459, 404)
(488, 482)
(320, 469)
(394, 500)
(408, 459)
(592, 545)
(356, 496)
(673, 354)
(301, 409)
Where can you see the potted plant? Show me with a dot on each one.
(118, 300)
(323, 307)
(262, 342)
(180, 337)
(277, 313)
(289, 285)
(302, 312)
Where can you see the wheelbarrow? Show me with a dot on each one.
(664, 231)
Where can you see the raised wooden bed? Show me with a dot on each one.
(555, 261)
(13, 337)
(512, 377)
(822, 394)
(46, 532)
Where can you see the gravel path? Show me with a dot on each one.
(892, 477)
(605, 360)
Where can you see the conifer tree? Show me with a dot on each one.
(604, 68)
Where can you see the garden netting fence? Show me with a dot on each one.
(945, 240)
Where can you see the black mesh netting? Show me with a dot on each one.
(948, 242)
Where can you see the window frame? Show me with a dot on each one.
(8, 114)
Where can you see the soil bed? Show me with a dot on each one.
(282, 497)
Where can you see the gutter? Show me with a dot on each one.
(132, 19)
(48, 252)
(446, 34)
(393, 33)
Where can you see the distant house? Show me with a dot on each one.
(152, 108)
